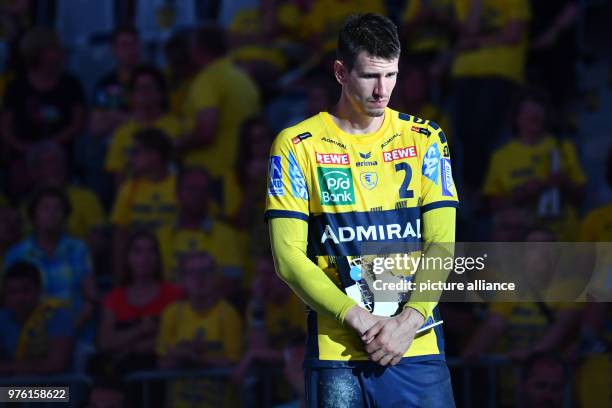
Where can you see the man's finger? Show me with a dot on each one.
(377, 355)
(386, 359)
(372, 331)
(396, 360)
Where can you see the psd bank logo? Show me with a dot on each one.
(336, 186)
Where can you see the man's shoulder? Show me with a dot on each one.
(302, 130)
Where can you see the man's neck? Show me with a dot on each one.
(201, 304)
(348, 118)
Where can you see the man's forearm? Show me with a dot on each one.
(288, 239)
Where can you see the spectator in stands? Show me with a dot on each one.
(49, 168)
(543, 381)
(37, 332)
(250, 170)
(181, 70)
(112, 101)
(196, 230)
(44, 103)
(130, 312)
(427, 27)
(554, 52)
(536, 171)
(148, 200)
(148, 110)
(488, 67)
(219, 99)
(64, 262)
(203, 331)
(275, 321)
(10, 229)
(521, 329)
(107, 394)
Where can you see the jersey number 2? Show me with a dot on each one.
(403, 191)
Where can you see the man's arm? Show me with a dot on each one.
(387, 340)
(288, 238)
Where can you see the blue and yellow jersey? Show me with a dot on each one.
(220, 240)
(501, 60)
(355, 191)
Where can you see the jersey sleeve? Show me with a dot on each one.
(287, 191)
(437, 185)
(121, 214)
(572, 163)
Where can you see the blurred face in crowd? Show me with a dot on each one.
(144, 160)
(146, 94)
(142, 260)
(105, 398)
(193, 192)
(51, 169)
(9, 226)
(49, 215)
(368, 86)
(531, 120)
(127, 50)
(544, 387)
(200, 276)
(51, 61)
(21, 296)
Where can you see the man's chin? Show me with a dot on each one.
(375, 113)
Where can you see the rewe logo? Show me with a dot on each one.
(333, 158)
(399, 154)
(336, 186)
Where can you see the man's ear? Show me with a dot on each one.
(340, 72)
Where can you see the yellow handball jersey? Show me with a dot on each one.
(122, 142)
(506, 61)
(225, 87)
(143, 203)
(357, 192)
(223, 243)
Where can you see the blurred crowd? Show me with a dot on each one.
(131, 214)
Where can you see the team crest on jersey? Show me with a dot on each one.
(369, 179)
(431, 163)
(275, 173)
(447, 178)
(298, 182)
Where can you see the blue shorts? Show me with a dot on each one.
(423, 384)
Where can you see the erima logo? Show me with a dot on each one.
(371, 232)
(366, 156)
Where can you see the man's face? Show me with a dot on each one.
(146, 93)
(199, 276)
(50, 214)
(193, 192)
(369, 84)
(127, 49)
(21, 296)
(544, 388)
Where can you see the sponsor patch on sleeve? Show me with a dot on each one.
(275, 174)
(431, 163)
(448, 186)
(298, 182)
